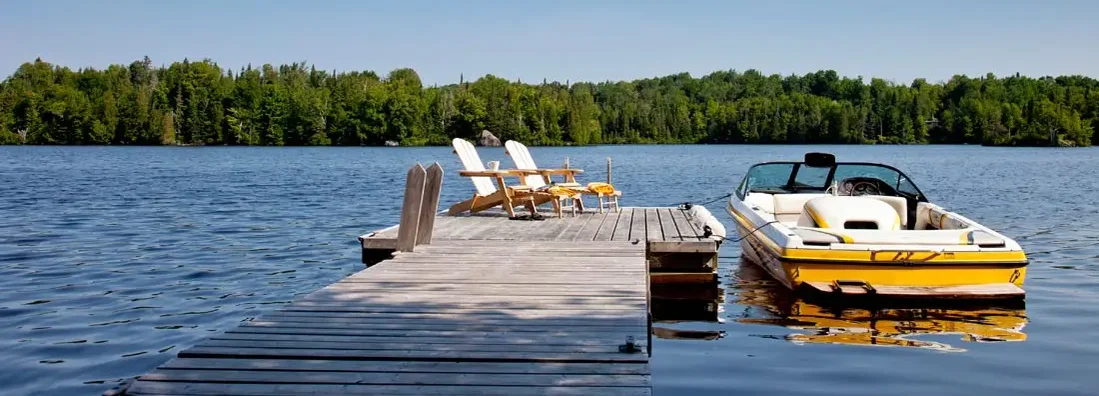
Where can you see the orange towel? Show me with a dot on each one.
(601, 188)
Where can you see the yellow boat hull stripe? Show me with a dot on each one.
(954, 275)
(880, 257)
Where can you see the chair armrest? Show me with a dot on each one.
(482, 173)
(569, 174)
(570, 171)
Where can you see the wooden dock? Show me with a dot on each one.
(454, 317)
(475, 304)
(675, 241)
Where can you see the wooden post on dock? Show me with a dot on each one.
(410, 211)
(433, 186)
(608, 170)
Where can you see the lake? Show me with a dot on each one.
(113, 259)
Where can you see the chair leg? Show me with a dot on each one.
(508, 206)
(462, 206)
(531, 207)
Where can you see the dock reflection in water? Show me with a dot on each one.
(680, 310)
(767, 302)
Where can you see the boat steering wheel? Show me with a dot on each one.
(856, 186)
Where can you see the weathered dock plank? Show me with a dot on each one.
(687, 229)
(622, 228)
(671, 232)
(676, 249)
(587, 230)
(234, 389)
(316, 377)
(510, 340)
(603, 336)
(614, 221)
(627, 224)
(388, 366)
(652, 226)
(457, 316)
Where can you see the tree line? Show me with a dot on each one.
(201, 103)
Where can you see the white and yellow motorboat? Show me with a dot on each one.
(865, 229)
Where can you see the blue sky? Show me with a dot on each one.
(568, 40)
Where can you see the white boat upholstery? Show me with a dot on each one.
(899, 204)
(899, 237)
(761, 201)
(933, 217)
(817, 236)
(959, 236)
(839, 212)
(788, 207)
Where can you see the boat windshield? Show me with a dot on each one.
(849, 178)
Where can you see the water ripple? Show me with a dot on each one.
(114, 259)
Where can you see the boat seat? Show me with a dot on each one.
(849, 212)
(788, 207)
(899, 204)
(761, 201)
(932, 217)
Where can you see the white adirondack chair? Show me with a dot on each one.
(520, 154)
(487, 195)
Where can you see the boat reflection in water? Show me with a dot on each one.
(686, 312)
(767, 302)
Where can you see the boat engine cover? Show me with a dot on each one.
(849, 212)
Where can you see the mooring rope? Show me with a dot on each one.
(688, 205)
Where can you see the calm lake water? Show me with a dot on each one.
(114, 259)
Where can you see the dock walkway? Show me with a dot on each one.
(677, 246)
(455, 317)
(471, 304)
(629, 224)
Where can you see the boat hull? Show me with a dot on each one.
(898, 273)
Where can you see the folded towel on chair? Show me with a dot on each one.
(601, 188)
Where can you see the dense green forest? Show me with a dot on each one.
(202, 103)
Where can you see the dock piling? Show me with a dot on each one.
(608, 170)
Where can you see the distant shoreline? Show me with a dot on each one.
(201, 103)
(555, 145)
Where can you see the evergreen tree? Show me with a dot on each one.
(201, 103)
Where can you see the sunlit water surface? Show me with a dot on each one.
(114, 259)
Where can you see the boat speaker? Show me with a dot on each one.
(820, 160)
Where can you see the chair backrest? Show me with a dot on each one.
(472, 162)
(521, 156)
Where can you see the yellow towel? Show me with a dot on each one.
(601, 188)
(563, 191)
